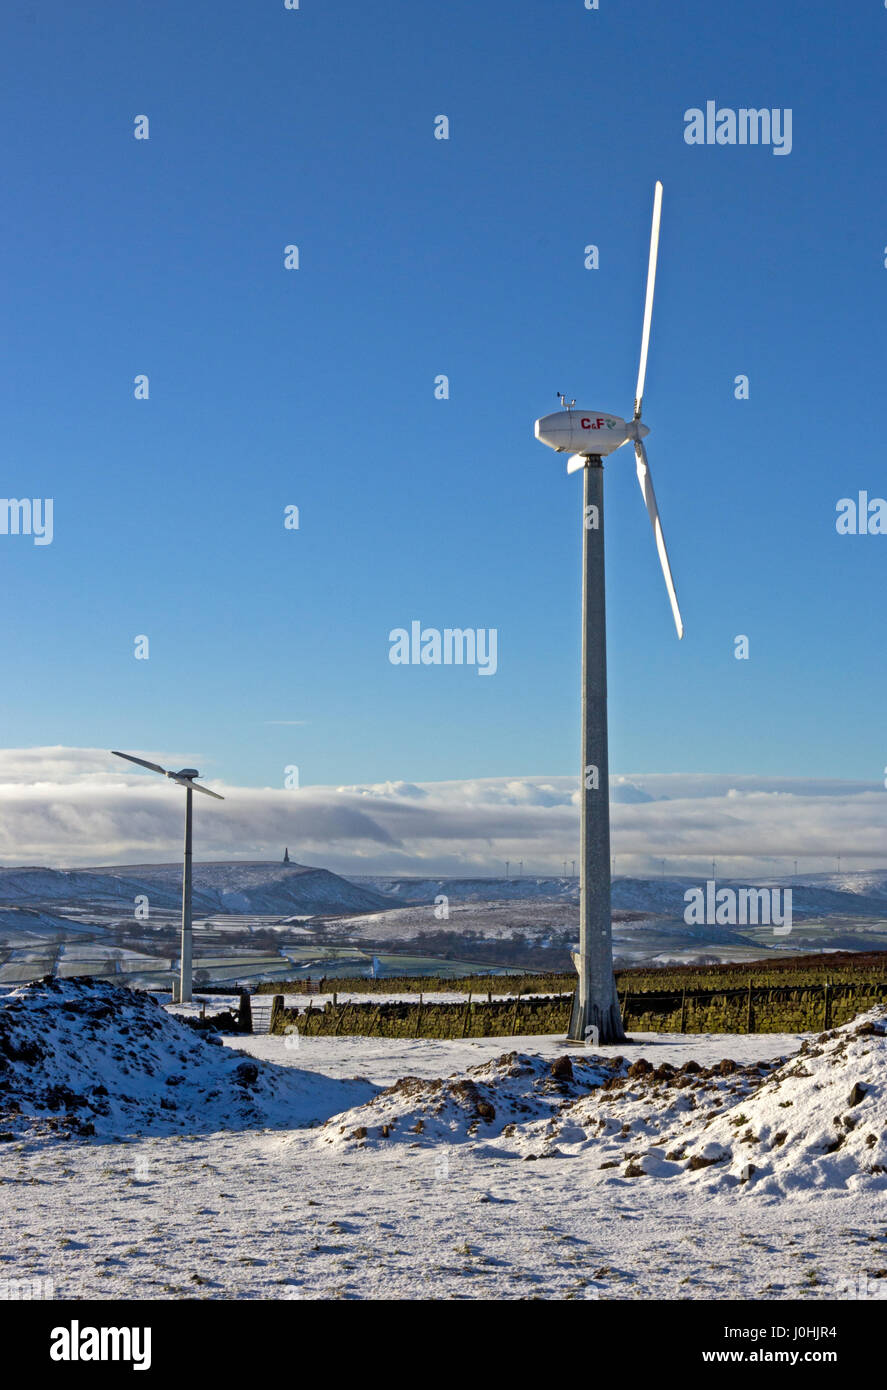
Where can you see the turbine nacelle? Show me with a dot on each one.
(185, 778)
(587, 432)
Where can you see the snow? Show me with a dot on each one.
(21, 926)
(570, 1189)
(812, 1123)
(245, 886)
(88, 1058)
(847, 894)
(470, 890)
(526, 1106)
(223, 886)
(110, 887)
(818, 1124)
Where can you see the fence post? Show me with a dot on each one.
(626, 1007)
(467, 1016)
(419, 1017)
(245, 1013)
(276, 1008)
(683, 1011)
(748, 1011)
(826, 1007)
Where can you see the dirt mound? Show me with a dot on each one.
(635, 1119)
(818, 1122)
(82, 1058)
(486, 1101)
(813, 1122)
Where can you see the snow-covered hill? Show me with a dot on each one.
(105, 888)
(870, 883)
(84, 1057)
(258, 886)
(270, 888)
(233, 886)
(821, 894)
(406, 889)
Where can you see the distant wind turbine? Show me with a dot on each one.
(185, 778)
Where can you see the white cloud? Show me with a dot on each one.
(72, 806)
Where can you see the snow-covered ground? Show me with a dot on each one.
(566, 1190)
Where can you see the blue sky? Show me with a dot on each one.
(316, 387)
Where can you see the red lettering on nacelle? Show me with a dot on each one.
(591, 424)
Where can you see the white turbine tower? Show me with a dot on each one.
(185, 778)
(588, 436)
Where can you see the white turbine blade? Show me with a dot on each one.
(648, 306)
(649, 495)
(197, 787)
(155, 767)
(188, 782)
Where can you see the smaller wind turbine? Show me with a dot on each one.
(185, 778)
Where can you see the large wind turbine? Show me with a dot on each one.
(590, 435)
(185, 778)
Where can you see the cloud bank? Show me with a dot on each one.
(69, 807)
